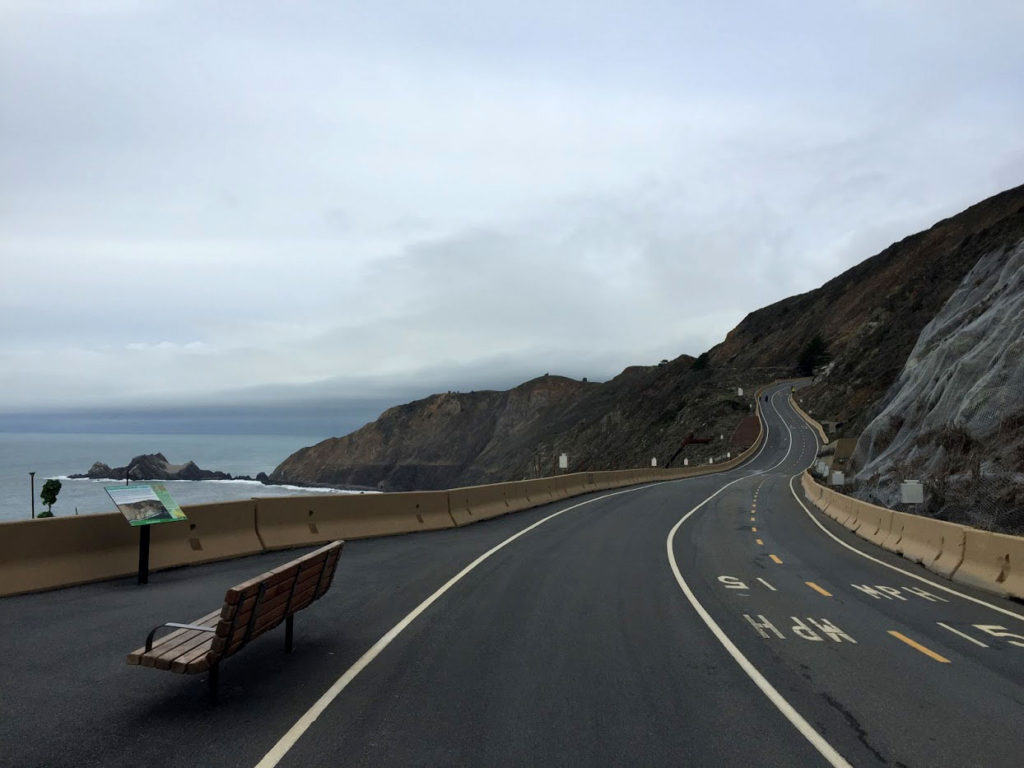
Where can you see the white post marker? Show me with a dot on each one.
(912, 492)
(563, 461)
(654, 461)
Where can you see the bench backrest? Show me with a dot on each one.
(261, 603)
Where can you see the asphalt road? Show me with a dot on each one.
(710, 621)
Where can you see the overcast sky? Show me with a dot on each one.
(366, 198)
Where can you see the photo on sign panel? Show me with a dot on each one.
(144, 503)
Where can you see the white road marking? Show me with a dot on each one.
(835, 538)
(773, 589)
(816, 739)
(286, 742)
(976, 600)
(997, 631)
(963, 635)
(731, 582)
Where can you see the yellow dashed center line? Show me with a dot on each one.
(753, 528)
(818, 589)
(918, 647)
(760, 543)
(775, 559)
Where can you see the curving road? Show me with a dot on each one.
(708, 621)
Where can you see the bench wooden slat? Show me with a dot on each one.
(164, 659)
(266, 619)
(171, 640)
(272, 598)
(243, 608)
(196, 660)
(315, 570)
(250, 609)
(253, 583)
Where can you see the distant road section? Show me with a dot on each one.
(716, 620)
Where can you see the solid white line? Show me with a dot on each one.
(958, 632)
(286, 742)
(948, 590)
(816, 739)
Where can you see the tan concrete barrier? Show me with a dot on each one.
(212, 532)
(538, 491)
(993, 561)
(873, 523)
(813, 424)
(482, 502)
(55, 552)
(61, 551)
(925, 541)
(292, 521)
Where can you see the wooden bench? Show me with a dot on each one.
(250, 609)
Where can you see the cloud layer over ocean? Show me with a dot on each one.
(249, 201)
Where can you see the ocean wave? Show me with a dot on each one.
(299, 488)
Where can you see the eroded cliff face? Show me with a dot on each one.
(871, 315)
(457, 439)
(955, 417)
(428, 443)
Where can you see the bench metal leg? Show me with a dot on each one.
(213, 680)
(288, 633)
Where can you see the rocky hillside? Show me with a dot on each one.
(429, 443)
(863, 323)
(955, 417)
(460, 438)
(870, 316)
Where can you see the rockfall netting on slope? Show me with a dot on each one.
(955, 417)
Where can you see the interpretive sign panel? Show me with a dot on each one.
(145, 503)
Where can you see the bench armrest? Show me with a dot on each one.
(149, 637)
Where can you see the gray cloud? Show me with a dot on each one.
(258, 201)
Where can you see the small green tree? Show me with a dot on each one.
(49, 496)
(814, 354)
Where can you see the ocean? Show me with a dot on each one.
(58, 455)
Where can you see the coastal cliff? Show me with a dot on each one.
(855, 334)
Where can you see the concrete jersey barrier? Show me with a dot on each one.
(57, 552)
(211, 532)
(61, 551)
(991, 561)
(810, 421)
(295, 521)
